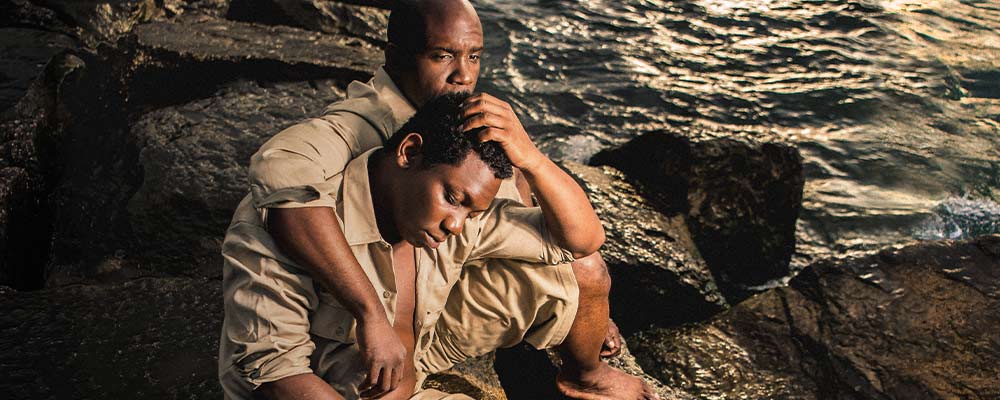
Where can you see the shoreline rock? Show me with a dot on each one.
(916, 322)
(739, 200)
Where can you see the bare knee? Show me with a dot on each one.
(592, 276)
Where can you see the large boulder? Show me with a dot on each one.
(191, 160)
(25, 54)
(739, 200)
(200, 54)
(148, 338)
(29, 164)
(658, 275)
(907, 323)
(103, 164)
(365, 22)
(101, 21)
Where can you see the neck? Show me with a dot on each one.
(380, 182)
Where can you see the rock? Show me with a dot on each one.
(526, 373)
(203, 54)
(196, 8)
(368, 23)
(192, 163)
(907, 323)
(474, 377)
(26, 51)
(658, 275)
(30, 134)
(148, 338)
(739, 200)
(92, 230)
(102, 21)
(19, 208)
(194, 159)
(25, 14)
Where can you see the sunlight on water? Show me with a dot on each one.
(894, 105)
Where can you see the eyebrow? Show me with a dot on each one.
(451, 50)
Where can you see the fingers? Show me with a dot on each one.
(485, 110)
(386, 380)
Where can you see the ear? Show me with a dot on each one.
(409, 151)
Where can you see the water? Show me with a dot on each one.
(893, 104)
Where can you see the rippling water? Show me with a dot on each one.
(893, 104)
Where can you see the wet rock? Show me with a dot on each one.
(194, 159)
(19, 204)
(196, 8)
(161, 65)
(148, 338)
(739, 200)
(25, 53)
(191, 160)
(368, 23)
(26, 14)
(474, 377)
(907, 323)
(199, 55)
(526, 373)
(102, 21)
(30, 134)
(658, 275)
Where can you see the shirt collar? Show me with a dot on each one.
(360, 226)
(387, 90)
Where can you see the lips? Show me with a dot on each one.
(431, 241)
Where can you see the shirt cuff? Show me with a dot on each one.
(316, 195)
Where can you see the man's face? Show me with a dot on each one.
(450, 61)
(432, 203)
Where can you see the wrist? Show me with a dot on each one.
(371, 315)
(533, 164)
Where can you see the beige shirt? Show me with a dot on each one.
(291, 163)
(506, 230)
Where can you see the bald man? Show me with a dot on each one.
(434, 48)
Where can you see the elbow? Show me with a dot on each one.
(589, 246)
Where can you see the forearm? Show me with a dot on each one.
(312, 237)
(569, 216)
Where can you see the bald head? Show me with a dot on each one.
(409, 20)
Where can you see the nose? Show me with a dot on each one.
(463, 74)
(453, 224)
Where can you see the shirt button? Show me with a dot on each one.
(386, 294)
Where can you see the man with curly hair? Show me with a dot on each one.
(434, 49)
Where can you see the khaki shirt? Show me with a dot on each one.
(290, 164)
(506, 230)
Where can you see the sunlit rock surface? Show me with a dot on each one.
(739, 200)
(658, 275)
(101, 21)
(911, 323)
(368, 23)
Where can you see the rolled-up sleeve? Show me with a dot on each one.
(511, 230)
(292, 168)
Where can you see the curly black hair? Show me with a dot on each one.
(439, 124)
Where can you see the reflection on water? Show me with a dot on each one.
(894, 105)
